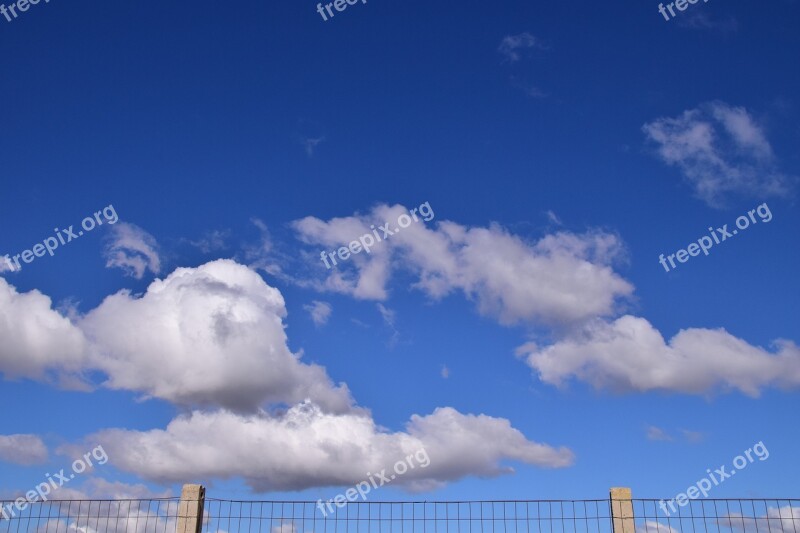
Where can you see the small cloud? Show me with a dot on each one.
(700, 20)
(262, 256)
(132, 249)
(511, 45)
(445, 372)
(359, 323)
(320, 312)
(212, 241)
(721, 150)
(309, 134)
(693, 436)
(310, 145)
(656, 433)
(389, 318)
(553, 218)
(6, 265)
(24, 450)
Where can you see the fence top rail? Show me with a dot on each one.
(111, 500)
(420, 502)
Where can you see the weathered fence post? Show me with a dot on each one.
(622, 510)
(190, 509)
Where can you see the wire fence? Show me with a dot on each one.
(91, 516)
(170, 515)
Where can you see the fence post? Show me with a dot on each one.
(190, 509)
(622, 510)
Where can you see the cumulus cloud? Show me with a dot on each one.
(38, 342)
(562, 278)
(311, 448)
(211, 335)
(629, 354)
(512, 45)
(721, 151)
(320, 312)
(23, 450)
(208, 335)
(133, 250)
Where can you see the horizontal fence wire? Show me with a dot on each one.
(90, 516)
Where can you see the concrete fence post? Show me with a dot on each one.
(622, 510)
(190, 509)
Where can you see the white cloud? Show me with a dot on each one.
(656, 433)
(721, 151)
(629, 354)
(38, 342)
(511, 45)
(6, 265)
(653, 526)
(445, 372)
(23, 450)
(311, 144)
(693, 436)
(320, 312)
(560, 279)
(132, 249)
(211, 335)
(311, 448)
(212, 241)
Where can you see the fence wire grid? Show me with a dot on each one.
(509, 516)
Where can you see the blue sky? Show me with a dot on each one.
(525, 335)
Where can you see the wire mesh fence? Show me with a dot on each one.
(578, 516)
(91, 516)
(525, 516)
(717, 516)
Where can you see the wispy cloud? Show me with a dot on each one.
(512, 45)
(656, 433)
(701, 20)
(320, 312)
(132, 249)
(721, 150)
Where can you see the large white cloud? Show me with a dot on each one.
(211, 335)
(560, 279)
(721, 150)
(306, 447)
(38, 342)
(629, 354)
(207, 335)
